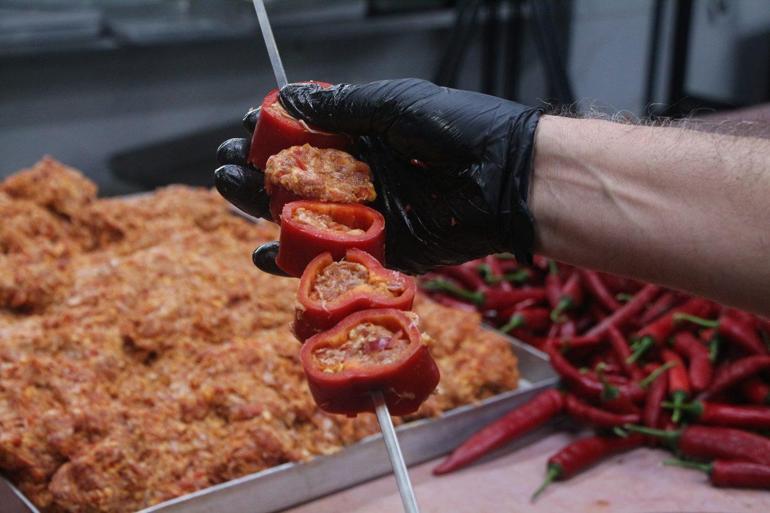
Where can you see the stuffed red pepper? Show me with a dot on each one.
(372, 350)
(306, 172)
(309, 228)
(331, 290)
(277, 130)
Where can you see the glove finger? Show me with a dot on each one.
(233, 151)
(244, 187)
(250, 120)
(358, 109)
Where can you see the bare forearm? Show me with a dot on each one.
(677, 207)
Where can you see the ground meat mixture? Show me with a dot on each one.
(320, 174)
(142, 357)
(365, 345)
(323, 221)
(339, 278)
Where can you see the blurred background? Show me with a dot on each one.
(139, 93)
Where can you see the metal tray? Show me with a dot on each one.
(290, 484)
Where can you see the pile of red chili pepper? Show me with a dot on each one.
(640, 364)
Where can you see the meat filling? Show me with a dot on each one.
(339, 278)
(367, 344)
(320, 174)
(323, 221)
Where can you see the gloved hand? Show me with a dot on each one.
(451, 167)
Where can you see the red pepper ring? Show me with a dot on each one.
(277, 130)
(341, 379)
(355, 289)
(300, 242)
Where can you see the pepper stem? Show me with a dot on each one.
(714, 344)
(668, 436)
(652, 376)
(516, 321)
(552, 267)
(565, 303)
(700, 321)
(679, 399)
(439, 285)
(675, 462)
(553, 474)
(487, 275)
(623, 297)
(640, 347)
(520, 276)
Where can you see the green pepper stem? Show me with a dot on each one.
(652, 376)
(714, 344)
(675, 462)
(520, 276)
(554, 472)
(565, 303)
(678, 404)
(668, 436)
(439, 285)
(641, 347)
(487, 275)
(623, 297)
(552, 267)
(516, 321)
(700, 321)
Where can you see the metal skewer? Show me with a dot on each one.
(265, 251)
(272, 48)
(394, 453)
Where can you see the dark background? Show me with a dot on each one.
(138, 93)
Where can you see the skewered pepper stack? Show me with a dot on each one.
(639, 364)
(352, 313)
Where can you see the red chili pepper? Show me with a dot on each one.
(728, 415)
(495, 299)
(657, 332)
(534, 319)
(596, 287)
(737, 331)
(583, 453)
(301, 242)
(700, 369)
(663, 304)
(755, 391)
(584, 412)
(553, 284)
(277, 130)
(731, 474)
(678, 382)
(570, 297)
(587, 386)
(453, 303)
(567, 329)
(623, 353)
(372, 350)
(653, 404)
(735, 372)
(516, 423)
(363, 284)
(627, 312)
(466, 275)
(705, 442)
(578, 342)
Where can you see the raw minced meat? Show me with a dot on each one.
(142, 357)
(327, 175)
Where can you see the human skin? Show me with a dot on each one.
(683, 208)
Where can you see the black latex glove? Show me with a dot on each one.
(451, 167)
